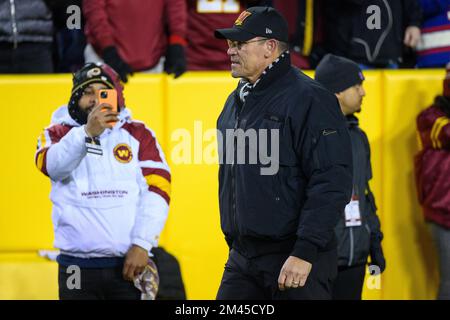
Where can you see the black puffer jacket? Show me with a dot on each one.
(25, 21)
(295, 210)
(354, 243)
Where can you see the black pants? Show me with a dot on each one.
(28, 57)
(349, 283)
(96, 284)
(257, 278)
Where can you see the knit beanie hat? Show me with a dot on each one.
(337, 73)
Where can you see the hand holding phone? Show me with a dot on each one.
(108, 96)
(104, 114)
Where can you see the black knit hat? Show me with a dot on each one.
(256, 21)
(337, 73)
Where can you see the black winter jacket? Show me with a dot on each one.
(25, 21)
(348, 34)
(295, 210)
(354, 243)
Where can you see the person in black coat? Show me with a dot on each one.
(26, 37)
(358, 230)
(286, 169)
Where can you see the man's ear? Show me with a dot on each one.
(271, 46)
(340, 97)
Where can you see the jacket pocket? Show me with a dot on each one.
(272, 121)
(343, 239)
(286, 186)
(362, 244)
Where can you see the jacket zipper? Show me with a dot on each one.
(13, 22)
(233, 168)
(352, 249)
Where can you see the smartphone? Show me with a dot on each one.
(108, 96)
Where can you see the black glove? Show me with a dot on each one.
(113, 59)
(175, 60)
(377, 258)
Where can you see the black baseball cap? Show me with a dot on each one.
(256, 22)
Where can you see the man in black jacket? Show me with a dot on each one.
(358, 230)
(278, 213)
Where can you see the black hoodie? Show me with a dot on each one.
(350, 33)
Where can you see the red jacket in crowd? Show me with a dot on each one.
(432, 165)
(137, 28)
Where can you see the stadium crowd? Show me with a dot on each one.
(45, 36)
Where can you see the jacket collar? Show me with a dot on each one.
(352, 120)
(273, 72)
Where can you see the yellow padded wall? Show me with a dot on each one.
(411, 261)
(188, 107)
(371, 122)
(193, 231)
(25, 276)
(25, 209)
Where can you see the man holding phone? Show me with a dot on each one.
(110, 188)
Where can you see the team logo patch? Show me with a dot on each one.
(244, 15)
(93, 72)
(122, 153)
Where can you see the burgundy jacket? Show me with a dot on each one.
(137, 28)
(432, 165)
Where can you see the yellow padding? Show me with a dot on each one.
(309, 28)
(28, 277)
(159, 182)
(168, 106)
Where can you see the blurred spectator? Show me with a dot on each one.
(305, 30)
(434, 49)
(204, 51)
(137, 35)
(372, 33)
(69, 42)
(432, 169)
(26, 37)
